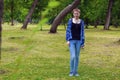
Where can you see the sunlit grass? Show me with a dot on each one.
(37, 55)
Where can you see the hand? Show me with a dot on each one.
(68, 43)
(82, 46)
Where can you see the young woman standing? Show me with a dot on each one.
(75, 40)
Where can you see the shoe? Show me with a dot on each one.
(71, 74)
(76, 74)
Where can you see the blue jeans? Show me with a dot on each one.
(74, 55)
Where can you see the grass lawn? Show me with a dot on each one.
(37, 55)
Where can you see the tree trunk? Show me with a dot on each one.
(86, 23)
(62, 14)
(1, 14)
(96, 23)
(108, 15)
(28, 17)
(12, 9)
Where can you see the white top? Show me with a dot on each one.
(76, 21)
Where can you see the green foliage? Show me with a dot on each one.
(51, 5)
(94, 10)
(56, 10)
(115, 13)
(91, 10)
(21, 9)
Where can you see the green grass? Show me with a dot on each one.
(37, 55)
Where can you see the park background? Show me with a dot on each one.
(33, 47)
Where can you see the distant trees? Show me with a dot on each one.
(101, 12)
(108, 15)
(62, 14)
(21, 9)
(28, 17)
(1, 15)
(12, 9)
(115, 16)
(94, 12)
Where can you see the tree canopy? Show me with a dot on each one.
(92, 11)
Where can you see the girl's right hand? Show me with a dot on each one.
(68, 43)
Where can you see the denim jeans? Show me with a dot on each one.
(74, 55)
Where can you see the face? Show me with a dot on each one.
(76, 14)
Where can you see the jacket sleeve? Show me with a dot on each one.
(83, 34)
(68, 30)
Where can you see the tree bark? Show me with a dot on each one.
(86, 23)
(96, 23)
(62, 14)
(12, 9)
(28, 17)
(108, 15)
(1, 15)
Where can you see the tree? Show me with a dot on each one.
(62, 14)
(108, 15)
(12, 9)
(1, 14)
(29, 14)
(21, 9)
(115, 17)
(92, 12)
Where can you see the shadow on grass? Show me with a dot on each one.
(3, 71)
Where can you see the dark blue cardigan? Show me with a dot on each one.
(69, 34)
